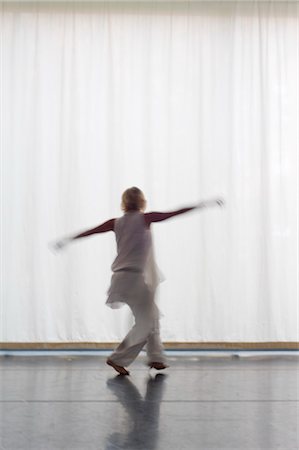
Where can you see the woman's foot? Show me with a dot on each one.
(121, 370)
(158, 365)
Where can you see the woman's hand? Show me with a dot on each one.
(220, 202)
(61, 244)
(213, 202)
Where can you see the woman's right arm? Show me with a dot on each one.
(160, 216)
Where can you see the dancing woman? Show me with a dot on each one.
(136, 276)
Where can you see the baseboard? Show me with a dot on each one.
(167, 345)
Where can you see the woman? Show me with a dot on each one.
(135, 277)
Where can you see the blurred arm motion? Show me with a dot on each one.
(149, 218)
(103, 228)
(106, 226)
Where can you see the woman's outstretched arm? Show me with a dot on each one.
(159, 216)
(106, 226)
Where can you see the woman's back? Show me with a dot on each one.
(133, 240)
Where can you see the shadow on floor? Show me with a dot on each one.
(143, 412)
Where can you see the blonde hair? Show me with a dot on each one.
(133, 200)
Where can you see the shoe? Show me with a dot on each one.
(120, 369)
(157, 365)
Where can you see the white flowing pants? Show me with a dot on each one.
(146, 330)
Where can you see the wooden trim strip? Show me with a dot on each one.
(167, 345)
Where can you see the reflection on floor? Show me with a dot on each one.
(201, 402)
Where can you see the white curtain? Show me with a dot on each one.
(187, 101)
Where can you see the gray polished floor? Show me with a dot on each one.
(77, 402)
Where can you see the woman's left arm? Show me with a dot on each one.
(106, 226)
(103, 228)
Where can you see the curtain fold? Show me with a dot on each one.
(186, 100)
